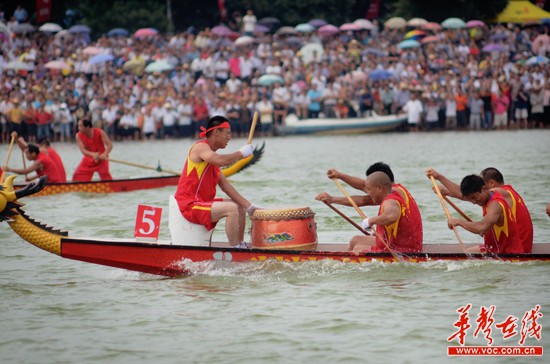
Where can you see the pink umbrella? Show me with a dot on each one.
(475, 24)
(542, 40)
(430, 39)
(349, 26)
(328, 29)
(145, 32)
(57, 65)
(92, 51)
(431, 26)
(222, 31)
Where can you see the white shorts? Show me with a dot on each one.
(521, 113)
(500, 120)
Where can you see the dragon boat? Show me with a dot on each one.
(172, 258)
(143, 183)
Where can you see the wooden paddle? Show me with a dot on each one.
(158, 169)
(252, 127)
(447, 213)
(363, 216)
(24, 162)
(7, 158)
(457, 209)
(346, 218)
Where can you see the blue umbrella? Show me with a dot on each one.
(267, 80)
(409, 43)
(537, 60)
(81, 28)
(453, 23)
(375, 51)
(380, 75)
(101, 58)
(118, 32)
(304, 28)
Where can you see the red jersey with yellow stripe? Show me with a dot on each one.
(405, 234)
(503, 238)
(523, 219)
(410, 203)
(197, 190)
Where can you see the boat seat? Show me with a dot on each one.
(184, 232)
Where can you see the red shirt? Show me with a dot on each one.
(200, 111)
(49, 168)
(410, 203)
(523, 219)
(197, 183)
(43, 117)
(93, 144)
(402, 235)
(58, 162)
(504, 238)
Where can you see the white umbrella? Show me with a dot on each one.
(23, 28)
(50, 28)
(364, 24)
(18, 65)
(395, 23)
(312, 52)
(159, 66)
(244, 40)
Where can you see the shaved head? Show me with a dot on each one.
(379, 179)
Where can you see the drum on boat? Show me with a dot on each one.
(290, 228)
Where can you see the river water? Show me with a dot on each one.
(56, 310)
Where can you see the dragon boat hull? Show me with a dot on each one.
(162, 258)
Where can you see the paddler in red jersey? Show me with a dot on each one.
(498, 226)
(366, 200)
(43, 165)
(395, 223)
(96, 146)
(494, 180)
(196, 192)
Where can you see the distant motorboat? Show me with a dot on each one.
(371, 124)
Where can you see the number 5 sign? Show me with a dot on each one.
(147, 222)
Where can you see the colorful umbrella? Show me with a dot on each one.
(267, 80)
(145, 32)
(364, 24)
(380, 74)
(328, 29)
(222, 31)
(91, 50)
(349, 27)
(304, 28)
(50, 28)
(409, 43)
(494, 47)
(453, 23)
(101, 58)
(475, 24)
(312, 52)
(118, 32)
(57, 65)
(244, 40)
(416, 22)
(317, 22)
(395, 23)
(415, 34)
(159, 66)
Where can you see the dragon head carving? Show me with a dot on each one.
(9, 197)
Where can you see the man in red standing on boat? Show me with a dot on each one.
(495, 182)
(414, 242)
(96, 146)
(196, 192)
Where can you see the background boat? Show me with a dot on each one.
(371, 124)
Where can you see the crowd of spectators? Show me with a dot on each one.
(446, 83)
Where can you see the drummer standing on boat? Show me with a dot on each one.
(96, 146)
(196, 192)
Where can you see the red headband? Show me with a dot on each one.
(224, 125)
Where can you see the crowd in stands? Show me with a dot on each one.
(446, 83)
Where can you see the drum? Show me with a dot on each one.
(286, 228)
